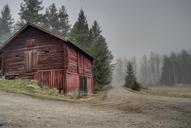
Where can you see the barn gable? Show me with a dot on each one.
(44, 31)
(30, 37)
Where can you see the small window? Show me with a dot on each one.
(17, 56)
(46, 51)
(30, 42)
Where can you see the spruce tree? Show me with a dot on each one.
(80, 32)
(94, 33)
(30, 12)
(50, 19)
(6, 23)
(64, 25)
(56, 21)
(130, 79)
(102, 68)
(119, 71)
(93, 42)
(167, 75)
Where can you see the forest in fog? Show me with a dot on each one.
(155, 69)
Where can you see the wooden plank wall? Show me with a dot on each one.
(78, 62)
(54, 63)
(78, 65)
(45, 49)
(72, 82)
(51, 78)
(90, 85)
(13, 63)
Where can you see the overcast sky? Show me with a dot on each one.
(132, 27)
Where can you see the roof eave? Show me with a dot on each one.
(44, 30)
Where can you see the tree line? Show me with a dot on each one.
(177, 68)
(56, 20)
(155, 69)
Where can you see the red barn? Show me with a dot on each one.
(35, 53)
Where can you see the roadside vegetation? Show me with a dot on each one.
(130, 79)
(175, 91)
(31, 88)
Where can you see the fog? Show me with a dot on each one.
(132, 27)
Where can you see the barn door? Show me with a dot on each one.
(83, 84)
(30, 60)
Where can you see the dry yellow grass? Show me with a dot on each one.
(184, 92)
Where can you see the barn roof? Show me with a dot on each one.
(45, 31)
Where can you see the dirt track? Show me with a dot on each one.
(121, 109)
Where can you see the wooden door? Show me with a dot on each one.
(83, 84)
(30, 60)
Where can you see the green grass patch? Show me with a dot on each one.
(31, 88)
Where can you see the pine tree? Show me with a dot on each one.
(93, 42)
(167, 72)
(56, 21)
(119, 73)
(80, 32)
(94, 33)
(144, 73)
(63, 22)
(50, 19)
(102, 69)
(6, 23)
(184, 64)
(130, 79)
(29, 12)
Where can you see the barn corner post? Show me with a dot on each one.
(1, 64)
(35, 53)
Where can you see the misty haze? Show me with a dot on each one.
(95, 64)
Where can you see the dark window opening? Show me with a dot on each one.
(83, 85)
(17, 56)
(0, 63)
(46, 51)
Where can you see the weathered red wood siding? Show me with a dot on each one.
(78, 65)
(51, 78)
(46, 53)
(48, 59)
(47, 50)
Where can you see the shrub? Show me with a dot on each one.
(136, 86)
(130, 79)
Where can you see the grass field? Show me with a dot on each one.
(184, 92)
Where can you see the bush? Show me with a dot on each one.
(130, 79)
(136, 86)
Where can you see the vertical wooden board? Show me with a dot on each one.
(29, 61)
(72, 83)
(34, 59)
(89, 85)
(51, 78)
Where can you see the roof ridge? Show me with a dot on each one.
(44, 30)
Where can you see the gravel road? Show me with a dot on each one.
(121, 109)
